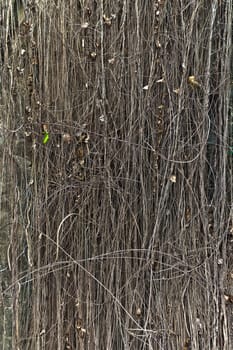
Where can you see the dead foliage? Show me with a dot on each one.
(117, 133)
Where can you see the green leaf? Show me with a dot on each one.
(46, 137)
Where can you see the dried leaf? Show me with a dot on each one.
(107, 20)
(111, 60)
(160, 80)
(45, 127)
(172, 178)
(84, 25)
(66, 137)
(93, 55)
(192, 81)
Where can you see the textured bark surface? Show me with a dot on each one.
(116, 175)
